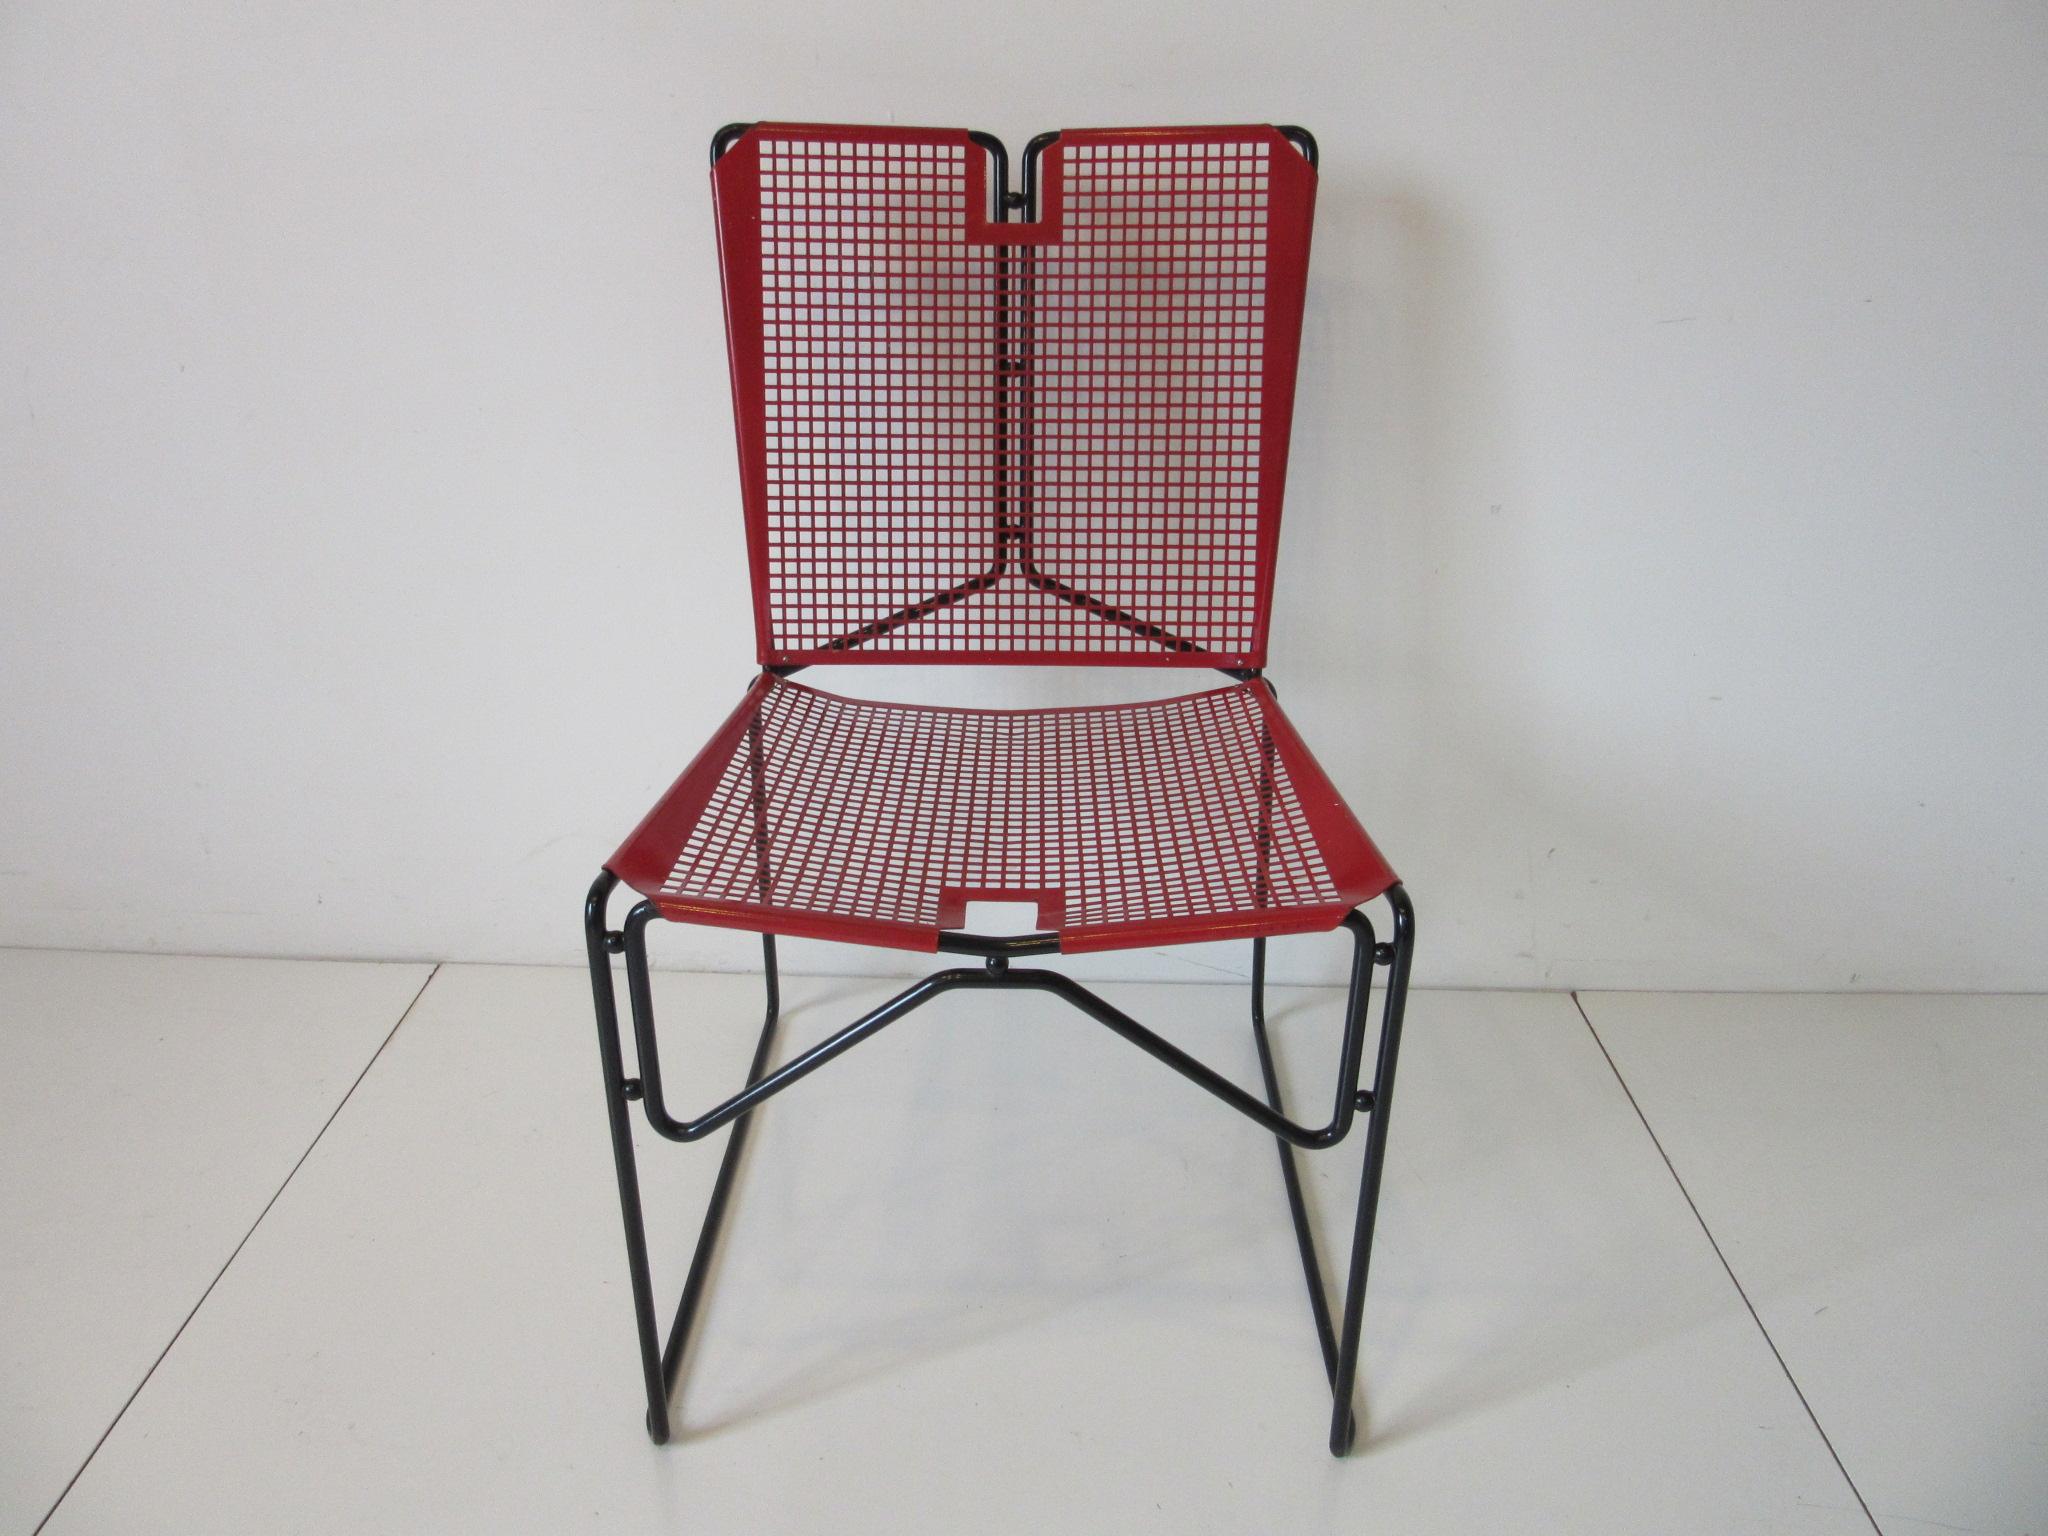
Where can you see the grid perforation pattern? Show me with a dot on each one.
(873, 812)
(878, 390)
(975, 441)
(1147, 327)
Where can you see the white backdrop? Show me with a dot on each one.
(1665, 549)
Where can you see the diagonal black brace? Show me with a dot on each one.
(666, 1123)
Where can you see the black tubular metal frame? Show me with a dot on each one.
(661, 1357)
(1337, 1330)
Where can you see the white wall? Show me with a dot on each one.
(1666, 541)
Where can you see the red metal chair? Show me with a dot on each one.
(975, 425)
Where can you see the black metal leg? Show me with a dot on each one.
(617, 1094)
(1343, 1423)
(660, 1365)
(721, 1188)
(1290, 1174)
(1340, 1347)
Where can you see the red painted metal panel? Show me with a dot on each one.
(1168, 821)
(964, 440)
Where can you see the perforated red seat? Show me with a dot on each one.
(1202, 817)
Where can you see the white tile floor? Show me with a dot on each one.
(995, 1271)
(150, 1107)
(1876, 1173)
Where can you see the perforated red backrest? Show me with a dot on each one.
(1056, 441)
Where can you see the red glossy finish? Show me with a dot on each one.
(1169, 821)
(971, 440)
(964, 440)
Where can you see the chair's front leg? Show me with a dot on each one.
(1290, 1172)
(1343, 1421)
(617, 1096)
(660, 1364)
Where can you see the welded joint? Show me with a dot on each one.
(1383, 954)
(632, 1088)
(614, 942)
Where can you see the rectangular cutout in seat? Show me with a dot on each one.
(993, 911)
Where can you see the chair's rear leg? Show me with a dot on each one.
(721, 1188)
(1343, 1422)
(617, 1097)
(735, 1143)
(1290, 1174)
